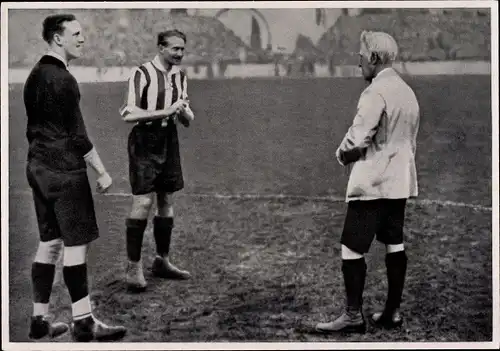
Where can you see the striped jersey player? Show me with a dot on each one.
(156, 101)
(152, 88)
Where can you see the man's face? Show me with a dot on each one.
(71, 39)
(173, 51)
(367, 69)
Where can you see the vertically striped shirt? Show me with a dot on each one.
(151, 87)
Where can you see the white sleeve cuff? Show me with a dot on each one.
(92, 158)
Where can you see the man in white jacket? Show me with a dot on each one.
(380, 146)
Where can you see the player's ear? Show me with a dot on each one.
(374, 58)
(57, 39)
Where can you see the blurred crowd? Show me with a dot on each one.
(422, 34)
(128, 37)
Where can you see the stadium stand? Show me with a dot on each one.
(126, 37)
(422, 35)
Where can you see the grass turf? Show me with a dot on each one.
(267, 269)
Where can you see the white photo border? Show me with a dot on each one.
(7, 345)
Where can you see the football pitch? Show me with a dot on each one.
(259, 221)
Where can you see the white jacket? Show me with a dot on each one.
(385, 131)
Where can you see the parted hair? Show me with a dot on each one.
(163, 36)
(54, 25)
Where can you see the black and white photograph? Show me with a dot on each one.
(250, 175)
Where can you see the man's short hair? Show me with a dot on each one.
(54, 25)
(379, 43)
(163, 36)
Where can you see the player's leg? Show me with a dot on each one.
(141, 174)
(359, 230)
(135, 226)
(44, 263)
(43, 273)
(396, 263)
(168, 181)
(75, 214)
(163, 226)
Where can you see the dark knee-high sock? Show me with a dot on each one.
(42, 278)
(135, 236)
(396, 264)
(354, 272)
(163, 233)
(76, 280)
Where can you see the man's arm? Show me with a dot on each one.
(186, 115)
(80, 137)
(359, 136)
(93, 160)
(103, 178)
(133, 114)
(67, 107)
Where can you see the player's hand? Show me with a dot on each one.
(179, 106)
(187, 112)
(186, 116)
(104, 183)
(170, 111)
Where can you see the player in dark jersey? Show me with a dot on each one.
(59, 151)
(156, 100)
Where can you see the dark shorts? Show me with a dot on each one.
(154, 159)
(64, 205)
(365, 220)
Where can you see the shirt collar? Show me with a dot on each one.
(59, 57)
(158, 63)
(386, 72)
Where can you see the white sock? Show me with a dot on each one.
(40, 309)
(82, 308)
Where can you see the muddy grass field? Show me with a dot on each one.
(259, 221)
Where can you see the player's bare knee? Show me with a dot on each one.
(49, 252)
(75, 255)
(165, 205)
(348, 254)
(166, 211)
(141, 206)
(394, 248)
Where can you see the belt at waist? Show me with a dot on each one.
(158, 123)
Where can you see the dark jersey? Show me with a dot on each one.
(56, 131)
